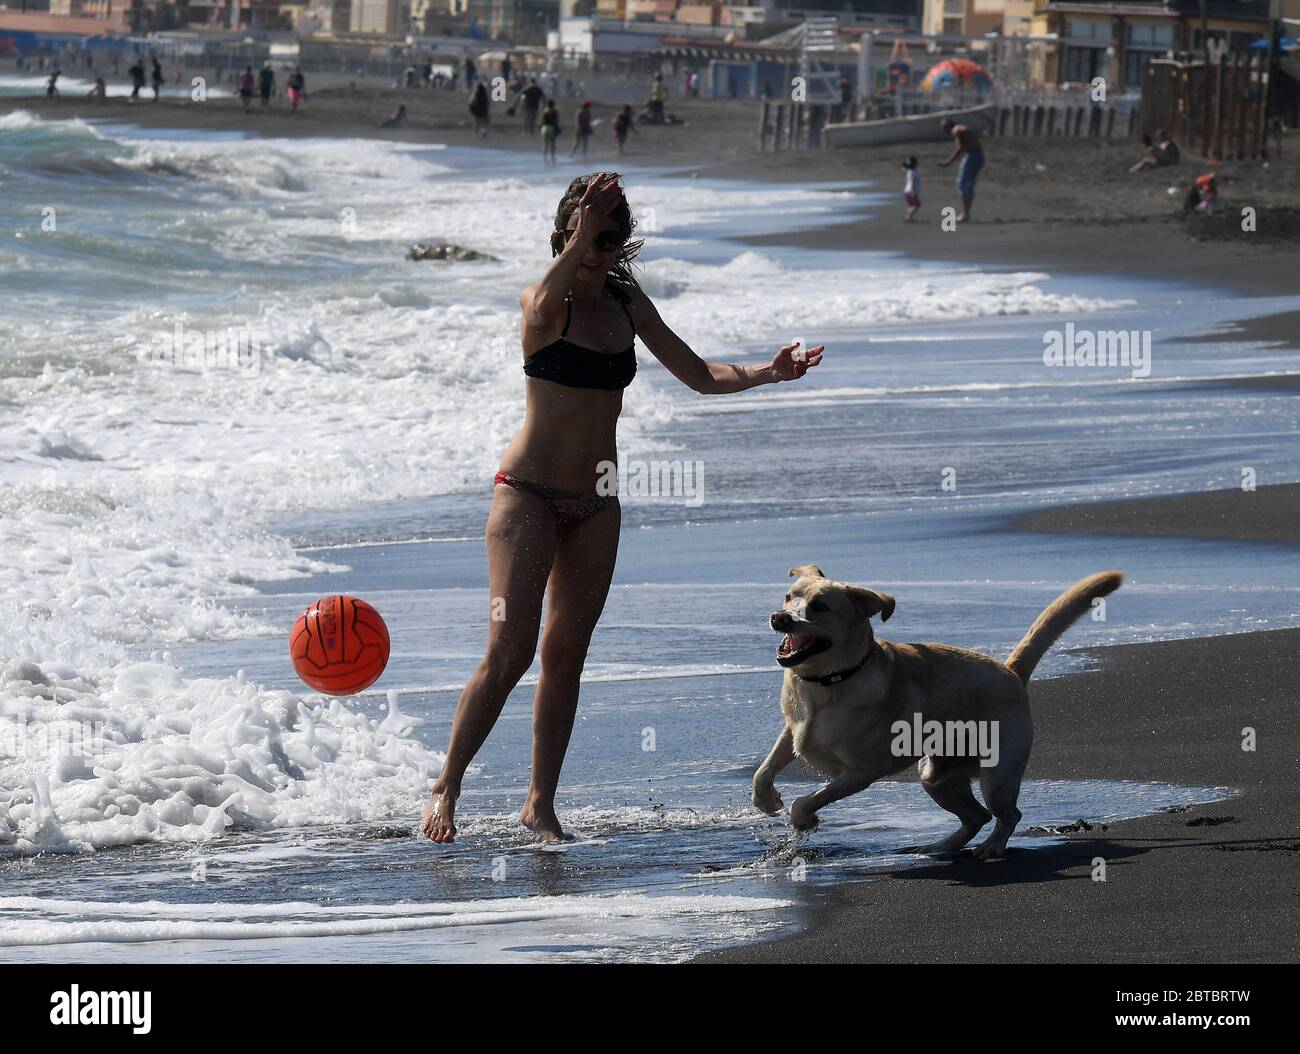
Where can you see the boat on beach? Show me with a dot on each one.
(914, 128)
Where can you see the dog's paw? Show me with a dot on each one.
(766, 799)
(988, 852)
(801, 817)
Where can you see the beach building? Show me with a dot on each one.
(25, 31)
(1116, 40)
(963, 18)
(518, 21)
(379, 16)
(759, 18)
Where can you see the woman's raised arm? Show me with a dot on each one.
(714, 378)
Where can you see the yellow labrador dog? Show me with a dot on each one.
(859, 709)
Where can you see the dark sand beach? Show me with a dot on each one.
(1267, 514)
(1210, 884)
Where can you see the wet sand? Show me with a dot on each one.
(1266, 514)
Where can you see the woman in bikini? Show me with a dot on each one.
(551, 530)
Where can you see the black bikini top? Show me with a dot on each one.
(577, 367)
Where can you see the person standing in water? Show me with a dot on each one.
(554, 526)
(964, 142)
(550, 131)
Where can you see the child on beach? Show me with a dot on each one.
(1207, 193)
(911, 188)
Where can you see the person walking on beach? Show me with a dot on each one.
(266, 83)
(531, 97)
(658, 93)
(297, 89)
(246, 88)
(550, 132)
(136, 73)
(52, 85)
(623, 124)
(156, 77)
(582, 130)
(911, 188)
(965, 142)
(479, 105)
(554, 525)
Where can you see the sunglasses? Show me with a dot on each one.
(605, 241)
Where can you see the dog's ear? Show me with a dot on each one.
(811, 570)
(869, 602)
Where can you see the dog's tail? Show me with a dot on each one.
(1059, 616)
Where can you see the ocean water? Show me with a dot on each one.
(162, 522)
(75, 84)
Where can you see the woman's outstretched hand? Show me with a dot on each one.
(791, 363)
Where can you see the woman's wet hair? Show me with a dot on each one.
(621, 278)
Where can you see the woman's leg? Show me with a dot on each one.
(584, 564)
(521, 541)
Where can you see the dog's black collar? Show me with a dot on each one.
(841, 675)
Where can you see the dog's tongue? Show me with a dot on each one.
(794, 643)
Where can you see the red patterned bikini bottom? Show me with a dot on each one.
(569, 508)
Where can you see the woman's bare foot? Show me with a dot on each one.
(440, 815)
(541, 820)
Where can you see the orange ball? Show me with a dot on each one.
(339, 645)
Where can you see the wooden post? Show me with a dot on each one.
(796, 125)
(1242, 103)
(1266, 89)
(1110, 123)
(762, 126)
(778, 139)
(1051, 120)
(1038, 120)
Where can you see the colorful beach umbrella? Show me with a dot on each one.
(957, 73)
